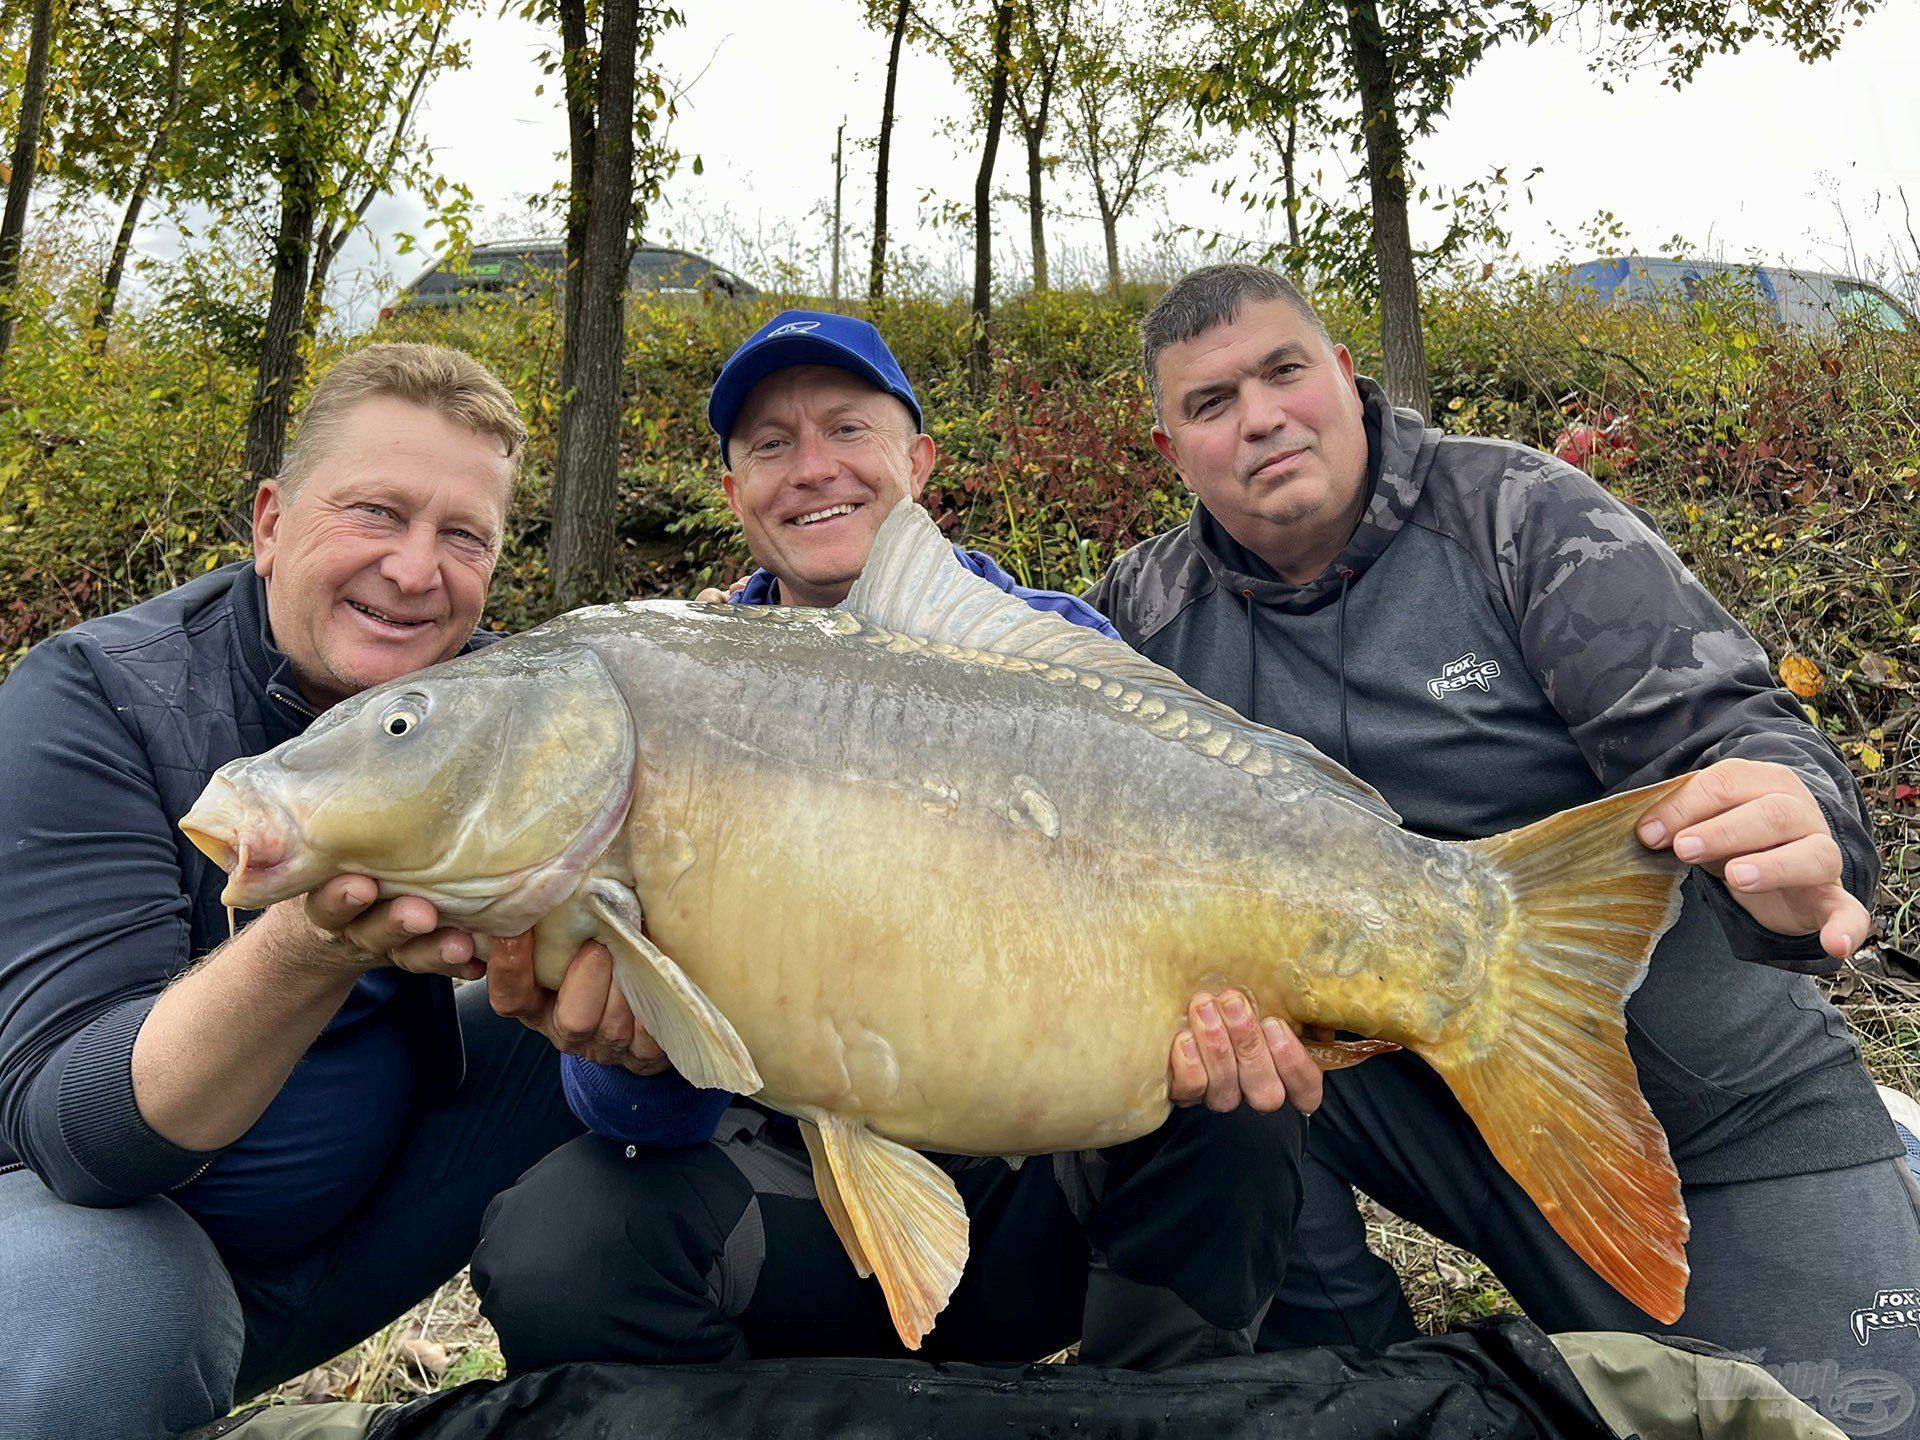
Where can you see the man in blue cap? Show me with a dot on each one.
(686, 1228)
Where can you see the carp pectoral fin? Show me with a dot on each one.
(1342, 1054)
(907, 1217)
(829, 1191)
(698, 1039)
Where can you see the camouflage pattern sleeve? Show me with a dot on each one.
(1652, 676)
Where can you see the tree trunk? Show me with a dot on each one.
(1288, 157)
(877, 269)
(143, 182)
(1036, 214)
(581, 79)
(983, 199)
(1110, 228)
(586, 482)
(1402, 344)
(26, 150)
(292, 255)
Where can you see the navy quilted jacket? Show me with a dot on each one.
(109, 732)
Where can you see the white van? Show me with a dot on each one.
(1813, 300)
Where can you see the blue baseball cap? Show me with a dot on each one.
(805, 337)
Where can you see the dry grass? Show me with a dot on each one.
(444, 1341)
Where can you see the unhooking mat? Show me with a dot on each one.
(1503, 1380)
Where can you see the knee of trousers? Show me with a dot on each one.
(114, 1322)
(592, 1228)
(1243, 1159)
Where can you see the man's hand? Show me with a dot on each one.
(1228, 1056)
(587, 1016)
(713, 595)
(404, 931)
(1757, 826)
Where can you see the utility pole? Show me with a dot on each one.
(839, 173)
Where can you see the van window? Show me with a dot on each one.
(485, 271)
(667, 270)
(1866, 303)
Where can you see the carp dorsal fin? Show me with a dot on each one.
(913, 585)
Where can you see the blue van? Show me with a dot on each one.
(1812, 300)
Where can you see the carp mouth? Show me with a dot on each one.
(249, 837)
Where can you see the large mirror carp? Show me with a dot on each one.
(936, 869)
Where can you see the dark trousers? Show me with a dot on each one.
(422, 1220)
(1780, 1266)
(1163, 1249)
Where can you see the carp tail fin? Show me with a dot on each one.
(1544, 1071)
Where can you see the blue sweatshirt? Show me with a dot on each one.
(660, 1111)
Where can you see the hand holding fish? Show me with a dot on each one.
(405, 931)
(587, 1016)
(714, 595)
(1228, 1056)
(1757, 826)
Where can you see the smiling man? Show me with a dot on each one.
(223, 1161)
(687, 1228)
(1488, 636)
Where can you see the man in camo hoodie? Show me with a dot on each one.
(1487, 636)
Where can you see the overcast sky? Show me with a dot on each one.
(1761, 158)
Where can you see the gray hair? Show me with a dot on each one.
(1212, 296)
(434, 377)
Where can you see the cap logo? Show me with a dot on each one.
(794, 327)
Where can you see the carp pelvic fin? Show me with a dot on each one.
(698, 1039)
(907, 1217)
(1544, 1070)
(1344, 1054)
(913, 585)
(828, 1190)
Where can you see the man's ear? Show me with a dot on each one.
(267, 510)
(922, 451)
(1163, 442)
(729, 485)
(1343, 357)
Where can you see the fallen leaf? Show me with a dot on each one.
(1878, 669)
(1904, 792)
(1870, 759)
(1801, 676)
(429, 1357)
(322, 1385)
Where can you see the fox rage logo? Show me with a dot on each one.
(794, 327)
(1891, 1310)
(1469, 669)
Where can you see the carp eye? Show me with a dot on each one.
(399, 721)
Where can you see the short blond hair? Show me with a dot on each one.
(446, 381)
